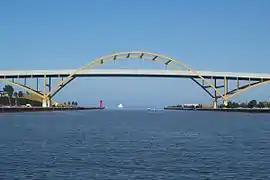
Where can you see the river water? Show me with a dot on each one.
(134, 144)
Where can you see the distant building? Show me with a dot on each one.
(207, 106)
(191, 105)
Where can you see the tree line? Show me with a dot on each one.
(232, 104)
(15, 98)
(11, 97)
(73, 103)
(250, 104)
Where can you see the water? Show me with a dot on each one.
(134, 145)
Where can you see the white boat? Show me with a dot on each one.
(151, 109)
(120, 106)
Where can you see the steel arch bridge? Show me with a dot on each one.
(207, 81)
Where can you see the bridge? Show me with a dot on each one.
(215, 84)
(132, 73)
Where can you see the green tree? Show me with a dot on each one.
(20, 94)
(260, 105)
(69, 103)
(9, 90)
(229, 105)
(222, 106)
(252, 104)
(232, 104)
(15, 94)
(243, 105)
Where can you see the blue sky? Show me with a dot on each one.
(207, 35)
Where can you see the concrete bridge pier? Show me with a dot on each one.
(225, 102)
(46, 102)
(215, 104)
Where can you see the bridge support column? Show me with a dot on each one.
(215, 104)
(225, 102)
(50, 84)
(46, 102)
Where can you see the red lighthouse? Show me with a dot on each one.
(100, 103)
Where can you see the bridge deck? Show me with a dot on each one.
(133, 73)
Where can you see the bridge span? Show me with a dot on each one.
(133, 73)
(218, 85)
(252, 79)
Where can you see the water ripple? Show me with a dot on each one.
(134, 145)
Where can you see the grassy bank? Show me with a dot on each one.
(4, 101)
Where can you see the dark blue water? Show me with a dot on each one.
(134, 145)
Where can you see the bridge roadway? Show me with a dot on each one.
(133, 73)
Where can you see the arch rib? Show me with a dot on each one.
(133, 55)
(62, 86)
(246, 87)
(208, 92)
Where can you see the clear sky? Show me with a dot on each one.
(225, 35)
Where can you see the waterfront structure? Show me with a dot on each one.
(215, 84)
(100, 103)
(3, 94)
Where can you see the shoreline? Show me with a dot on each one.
(245, 110)
(45, 109)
